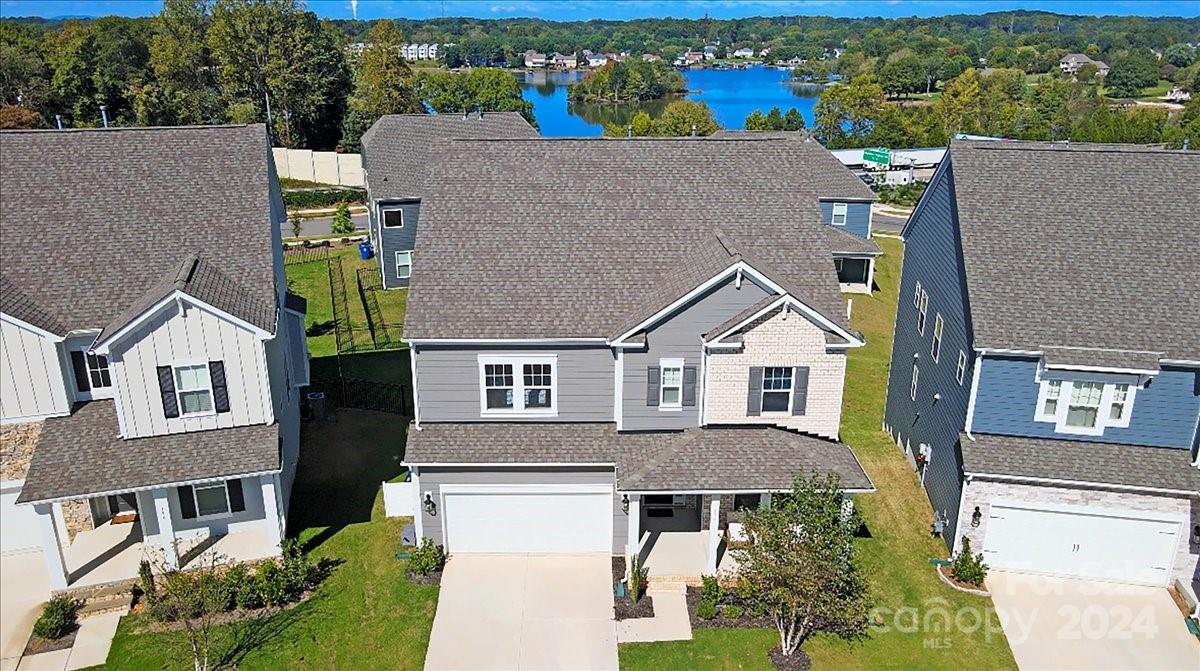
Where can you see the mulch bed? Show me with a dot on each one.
(434, 578)
(964, 586)
(236, 615)
(797, 661)
(38, 644)
(746, 621)
(624, 607)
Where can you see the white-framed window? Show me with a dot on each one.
(211, 499)
(99, 374)
(912, 392)
(777, 389)
(935, 350)
(392, 217)
(961, 371)
(670, 388)
(1084, 407)
(193, 388)
(839, 214)
(922, 309)
(404, 264)
(514, 384)
(917, 296)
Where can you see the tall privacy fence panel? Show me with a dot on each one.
(326, 167)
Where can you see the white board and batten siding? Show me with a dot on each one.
(170, 338)
(32, 385)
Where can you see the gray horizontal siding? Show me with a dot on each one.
(858, 217)
(679, 337)
(448, 383)
(1164, 412)
(432, 480)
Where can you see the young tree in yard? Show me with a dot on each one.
(801, 566)
(1130, 74)
(294, 219)
(195, 598)
(342, 223)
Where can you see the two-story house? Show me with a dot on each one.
(619, 365)
(149, 343)
(1045, 374)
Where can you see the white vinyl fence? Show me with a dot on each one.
(326, 167)
(400, 499)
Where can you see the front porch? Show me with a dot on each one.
(681, 537)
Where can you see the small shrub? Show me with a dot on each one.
(706, 610)
(968, 568)
(146, 581)
(710, 589)
(637, 580)
(272, 583)
(242, 588)
(427, 558)
(318, 198)
(57, 618)
(732, 612)
(300, 573)
(342, 223)
(756, 609)
(294, 219)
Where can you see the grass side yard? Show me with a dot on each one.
(895, 558)
(311, 280)
(367, 615)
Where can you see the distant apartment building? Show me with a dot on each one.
(420, 52)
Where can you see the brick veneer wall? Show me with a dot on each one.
(774, 340)
(982, 492)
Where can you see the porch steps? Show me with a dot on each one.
(671, 584)
(104, 598)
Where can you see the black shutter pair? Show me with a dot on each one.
(187, 501)
(220, 389)
(799, 391)
(654, 385)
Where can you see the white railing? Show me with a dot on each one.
(326, 167)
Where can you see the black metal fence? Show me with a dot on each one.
(352, 392)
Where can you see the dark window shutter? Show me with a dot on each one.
(799, 390)
(689, 385)
(653, 379)
(166, 388)
(237, 501)
(187, 502)
(79, 365)
(216, 373)
(754, 394)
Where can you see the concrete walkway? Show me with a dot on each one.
(94, 640)
(524, 612)
(24, 587)
(670, 621)
(1066, 624)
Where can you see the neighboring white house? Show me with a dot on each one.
(744, 52)
(535, 59)
(161, 367)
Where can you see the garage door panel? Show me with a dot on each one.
(528, 521)
(1087, 544)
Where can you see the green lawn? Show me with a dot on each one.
(895, 557)
(367, 615)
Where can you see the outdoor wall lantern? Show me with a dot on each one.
(976, 517)
(625, 503)
(429, 505)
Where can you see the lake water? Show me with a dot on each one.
(730, 94)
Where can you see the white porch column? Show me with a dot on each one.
(870, 274)
(633, 544)
(56, 564)
(274, 524)
(166, 528)
(714, 533)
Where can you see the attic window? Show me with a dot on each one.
(839, 214)
(393, 218)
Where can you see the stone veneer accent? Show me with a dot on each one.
(77, 515)
(981, 492)
(16, 449)
(774, 340)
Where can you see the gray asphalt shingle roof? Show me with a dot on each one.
(1090, 246)
(735, 457)
(843, 243)
(517, 241)
(1080, 460)
(94, 219)
(82, 454)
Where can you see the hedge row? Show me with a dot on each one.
(313, 198)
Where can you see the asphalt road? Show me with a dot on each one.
(322, 225)
(888, 223)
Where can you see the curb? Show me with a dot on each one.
(976, 592)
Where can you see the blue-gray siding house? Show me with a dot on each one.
(1052, 414)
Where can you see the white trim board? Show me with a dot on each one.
(148, 488)
(1076, 483)
(103, 345)
(20, 323)
(791, 301)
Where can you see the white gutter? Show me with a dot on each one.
(1078, 483)
(146, 488)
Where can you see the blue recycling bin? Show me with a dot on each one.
(364, 250)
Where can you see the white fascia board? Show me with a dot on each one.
(581, 488)
(1101, 369)
(493, 464)
(146, 488)
(506, 341)
(21, 323)
(788, 299)
(1180, 362)
(741, 266)
(984, 351)
(1076, 483)
(845, 199)
(975, 374)
(103, 346)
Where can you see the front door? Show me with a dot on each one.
(123, 505)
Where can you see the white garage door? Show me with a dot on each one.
(1105, 544)
(528, 519)
(18, 524)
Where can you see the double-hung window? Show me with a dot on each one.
(917, 296)
(404, 265)
(936, 349)
(1083, 410)
(393, 218)
(211, 499)
(511, 384)
(912, 392)
(1084, 407)
(961, 371)
(922, 308)
(98, 372)
(1118, 410)
(1048, 403)
(193, 387)
(777, 389)
(838, 217)
(671, 389)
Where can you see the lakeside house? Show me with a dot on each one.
(744, 52)
(535, 59)
(651, 58)
(1072, 63)
(564, 61)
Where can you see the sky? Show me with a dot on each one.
(562, 10)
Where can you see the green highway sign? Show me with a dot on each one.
(880, 155)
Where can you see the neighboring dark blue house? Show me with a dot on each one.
(1045, 375)
(397, 154)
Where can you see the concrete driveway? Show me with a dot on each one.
(524, 612)
(1062, 624)
(24, 587)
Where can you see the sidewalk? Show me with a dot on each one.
(670, 621)
(92, 643)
